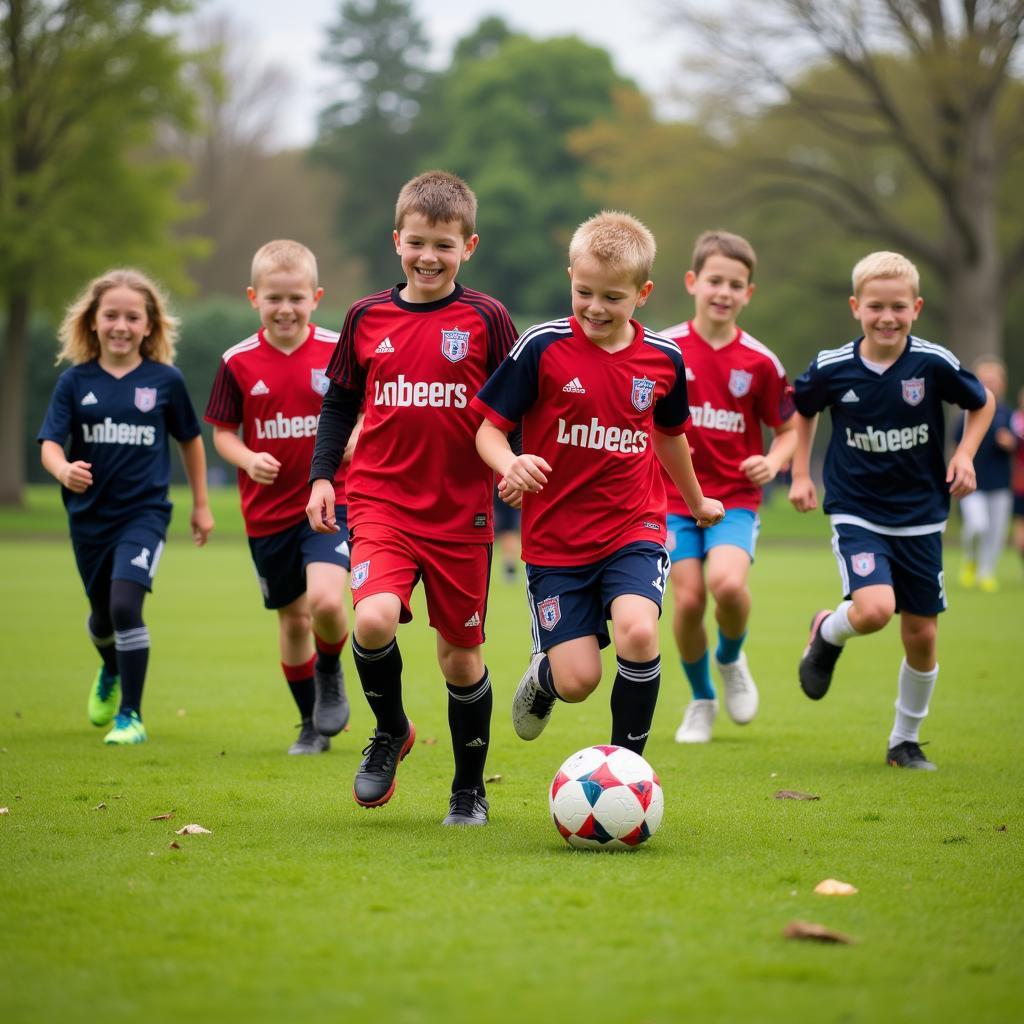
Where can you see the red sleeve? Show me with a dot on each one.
(224, 408)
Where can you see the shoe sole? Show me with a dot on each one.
(406, 747)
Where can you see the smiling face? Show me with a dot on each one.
(604, 299)
(431, 255)
(285, 300)
(886, 308)
(121, 324)
(721, 290)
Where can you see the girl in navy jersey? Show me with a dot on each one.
(106, 439)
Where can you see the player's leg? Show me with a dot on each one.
(105, 692)
(297, 661)
(974, 524)
(1018, 525)
(990, 546)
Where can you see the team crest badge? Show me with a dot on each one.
(319, 381)
(913, 390)
(739, 382)
(549, 613)
(360, 573)
(454, 344)
(145, 399)
(863, 564)
(643, 393)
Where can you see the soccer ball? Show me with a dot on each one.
(606, 798)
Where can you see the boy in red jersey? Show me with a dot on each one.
(735, 384)
(272, 385)
(602, 402)
(420, 500)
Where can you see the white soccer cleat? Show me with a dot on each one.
(740, 689)
(697, 721)
(531, 706)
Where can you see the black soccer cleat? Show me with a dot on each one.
(310, 741)
(819, 660)
(909, 754)
(375, 780)
(331, 710)
(467, 807)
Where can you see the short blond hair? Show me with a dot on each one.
(284, 254)
(77, 333)
(723, 243)
(885, 265)
(617, 240)
(438, 196)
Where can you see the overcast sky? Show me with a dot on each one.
(640, 47)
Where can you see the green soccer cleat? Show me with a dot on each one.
(104, 697)
(128, 729)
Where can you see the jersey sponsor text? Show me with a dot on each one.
(895, 439)
(597, 436)
(707, 415)
(109, 432)
(286, 426)
(421, 394)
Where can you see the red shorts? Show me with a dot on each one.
(455, 578)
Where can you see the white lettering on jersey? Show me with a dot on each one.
(893, 440)
(109, 432)
(718, 419)
(423, 394)
(595, 435)
(286, 426)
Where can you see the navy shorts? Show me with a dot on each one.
(567, 602)
(131, 553)
(506, 518)
(281, 558)
(912, 566)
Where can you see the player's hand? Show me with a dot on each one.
(960, 475)
(528, 473)
(320, 509)
(201, 522)
(263, 468)
(708, 512)
(76, 476)
(758, 470)
(803, 495)
(512, 496)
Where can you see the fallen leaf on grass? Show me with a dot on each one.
(1000, 828)
(493, 778)
(814, 933)
(794, 794)
(100, 807)
(430, 741)
(833, 887)
(175, 845)
(192, 830)
(182, 712)
(163, 817)
(5, 810)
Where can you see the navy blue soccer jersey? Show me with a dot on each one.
(122, 427)
(885, 467)
(992, 464)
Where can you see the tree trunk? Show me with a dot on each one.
(12, 402)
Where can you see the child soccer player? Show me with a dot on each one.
(420, 500)
(106, 438)
(602, 401)
(1017, 424)
(986, 511)
(734, 384)
(272, 385)
(887, 488)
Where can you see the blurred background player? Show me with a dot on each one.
(986, 511)
(734, 384)
(420, 500)
(602, 403)
(114, 413)
(271, 385)
(1017, 424)
(887, 486)
(506, 536)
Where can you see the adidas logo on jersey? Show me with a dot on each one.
(259, 388)
(690, 375)
(90, 399)
(473, 620)
(574, 387)
(384, 346)
(850, 396)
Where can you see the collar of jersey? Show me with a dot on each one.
(424, 307)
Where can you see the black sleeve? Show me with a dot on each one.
(338, 416)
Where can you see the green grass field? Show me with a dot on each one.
(302, 906)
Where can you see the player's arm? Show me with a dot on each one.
(673, 452)
(960, 473)
(259, 466)
(75, 476)
(763, 469)
(802, 492)
(193, 458)
(521, 472)
(338, 416)
(350, 446)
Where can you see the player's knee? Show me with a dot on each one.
(327, 606)
(874, 615)
(637, 640)
(690, 606)
(461, 666)
(296, 624)
(375, 627)
(126, 605)
(729, 591)
(576, 687)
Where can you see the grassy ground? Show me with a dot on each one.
(301, 905)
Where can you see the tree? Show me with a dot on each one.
(913, 93)
(82, 85)
(369, 135)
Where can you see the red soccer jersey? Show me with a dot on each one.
(276, 398)
(591, 415)
(733, 390)
(418, 365)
